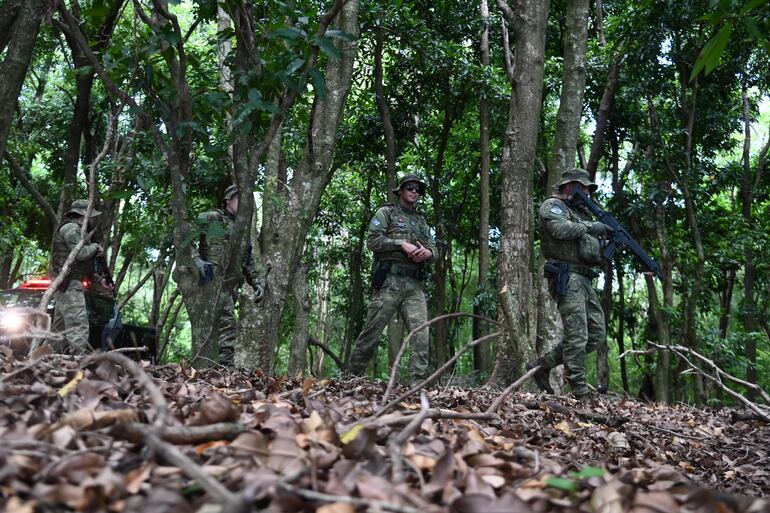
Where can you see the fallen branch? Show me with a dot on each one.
(396, 363)
(438, 372)
(180, 435)
(327, 350)
(683, 351)
(396, 443)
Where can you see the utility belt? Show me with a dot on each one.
(559, 273)
(387, 267)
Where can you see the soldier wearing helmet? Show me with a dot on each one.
(70, 315)
(216, 226)
(402, 245)
(571, 246)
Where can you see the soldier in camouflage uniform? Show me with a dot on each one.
(70, 315)
(216, 225)
(402, 245)
(570, 243)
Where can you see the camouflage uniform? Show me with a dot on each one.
(401, 291)
(70, 314)
(566, 238)
(217, 225)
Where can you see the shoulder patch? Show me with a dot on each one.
(376, 222)
(556, 209)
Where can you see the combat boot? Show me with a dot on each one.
(541, 376)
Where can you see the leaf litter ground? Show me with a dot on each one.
(89, 436)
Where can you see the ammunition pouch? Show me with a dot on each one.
(380, 274)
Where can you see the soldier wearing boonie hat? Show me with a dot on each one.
(570, 243)
(402, 245)
(70, 315)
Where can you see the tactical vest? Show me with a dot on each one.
(79, 270)
(584, 250)
(214, 239)
(409, 226)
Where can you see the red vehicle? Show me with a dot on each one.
(106, 331)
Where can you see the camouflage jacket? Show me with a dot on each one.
(390, 227)
(216, 226)
(564, 233)
(66, 237)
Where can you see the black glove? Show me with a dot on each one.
(600, 229)
(205, 270)
(259, 292)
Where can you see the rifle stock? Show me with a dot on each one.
(620, 238)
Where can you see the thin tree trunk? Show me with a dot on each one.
(620, 335)
(384, 110)
(748, 190)
(355, 308)
(515, 259)
(481, 352)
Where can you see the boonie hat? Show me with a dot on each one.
(577, 175)
(409, 178)
(79, 207)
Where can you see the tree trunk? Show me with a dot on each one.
(384, 110)
(302, 305)
(572, 91)
(356, 309)
(620, 335)
(481, 352)
(515, 258)
(748, 190)
(17, 58)
(286, 222)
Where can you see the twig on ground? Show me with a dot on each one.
(396, 363)
(397, 442)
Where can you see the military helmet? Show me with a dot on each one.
(576, 175)
(411, 177)
(79, 207)
(231, 191)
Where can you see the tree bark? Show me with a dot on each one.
(286, 224)
(17, 58)
(572, 91)
(481, 352)
(515, 258)
(748, 191)
(384, 110)
(302, 305)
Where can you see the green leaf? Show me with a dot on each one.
(319, 83)
(561, 483)
(752, 27)
(327, 46)
(294, 66)
(290, 33)
(722, 37)
(588, 472)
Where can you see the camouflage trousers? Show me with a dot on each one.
(582, 320)
(70, 317)
(400, 294)
(227, 329)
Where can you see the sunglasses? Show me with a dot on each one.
(411, 188)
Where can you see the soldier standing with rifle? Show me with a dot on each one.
(570, 243)
(70, 315)
(402, 245)
(574, 245)
(217, 225)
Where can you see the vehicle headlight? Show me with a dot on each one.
(12, 321)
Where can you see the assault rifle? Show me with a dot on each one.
(114, 326)
(620, 237)
(101, 268)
